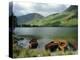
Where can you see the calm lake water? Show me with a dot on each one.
(46, 34)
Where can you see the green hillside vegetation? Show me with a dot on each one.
(69, 17)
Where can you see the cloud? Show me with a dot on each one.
(17, 9)
(47, 9)
(22, 8)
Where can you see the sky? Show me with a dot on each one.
(45, 9)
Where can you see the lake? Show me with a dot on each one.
(46, 34)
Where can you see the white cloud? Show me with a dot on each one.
(42, 8)
(24, 4)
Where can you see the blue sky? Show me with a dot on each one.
(45, 9)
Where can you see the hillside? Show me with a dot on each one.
(72, 7)
(69, 17)
(28, 17)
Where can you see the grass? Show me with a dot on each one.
(25, 52)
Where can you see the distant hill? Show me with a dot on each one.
(69, 17)
(28, 17)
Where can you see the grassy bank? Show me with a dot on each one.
(25, 52)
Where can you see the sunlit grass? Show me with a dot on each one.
(25, 52)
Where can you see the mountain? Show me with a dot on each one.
(28, 17)
(69, 17)
(72, 7)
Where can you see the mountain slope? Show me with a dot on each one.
(69, 17)
(28, 17)
(72, 7)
